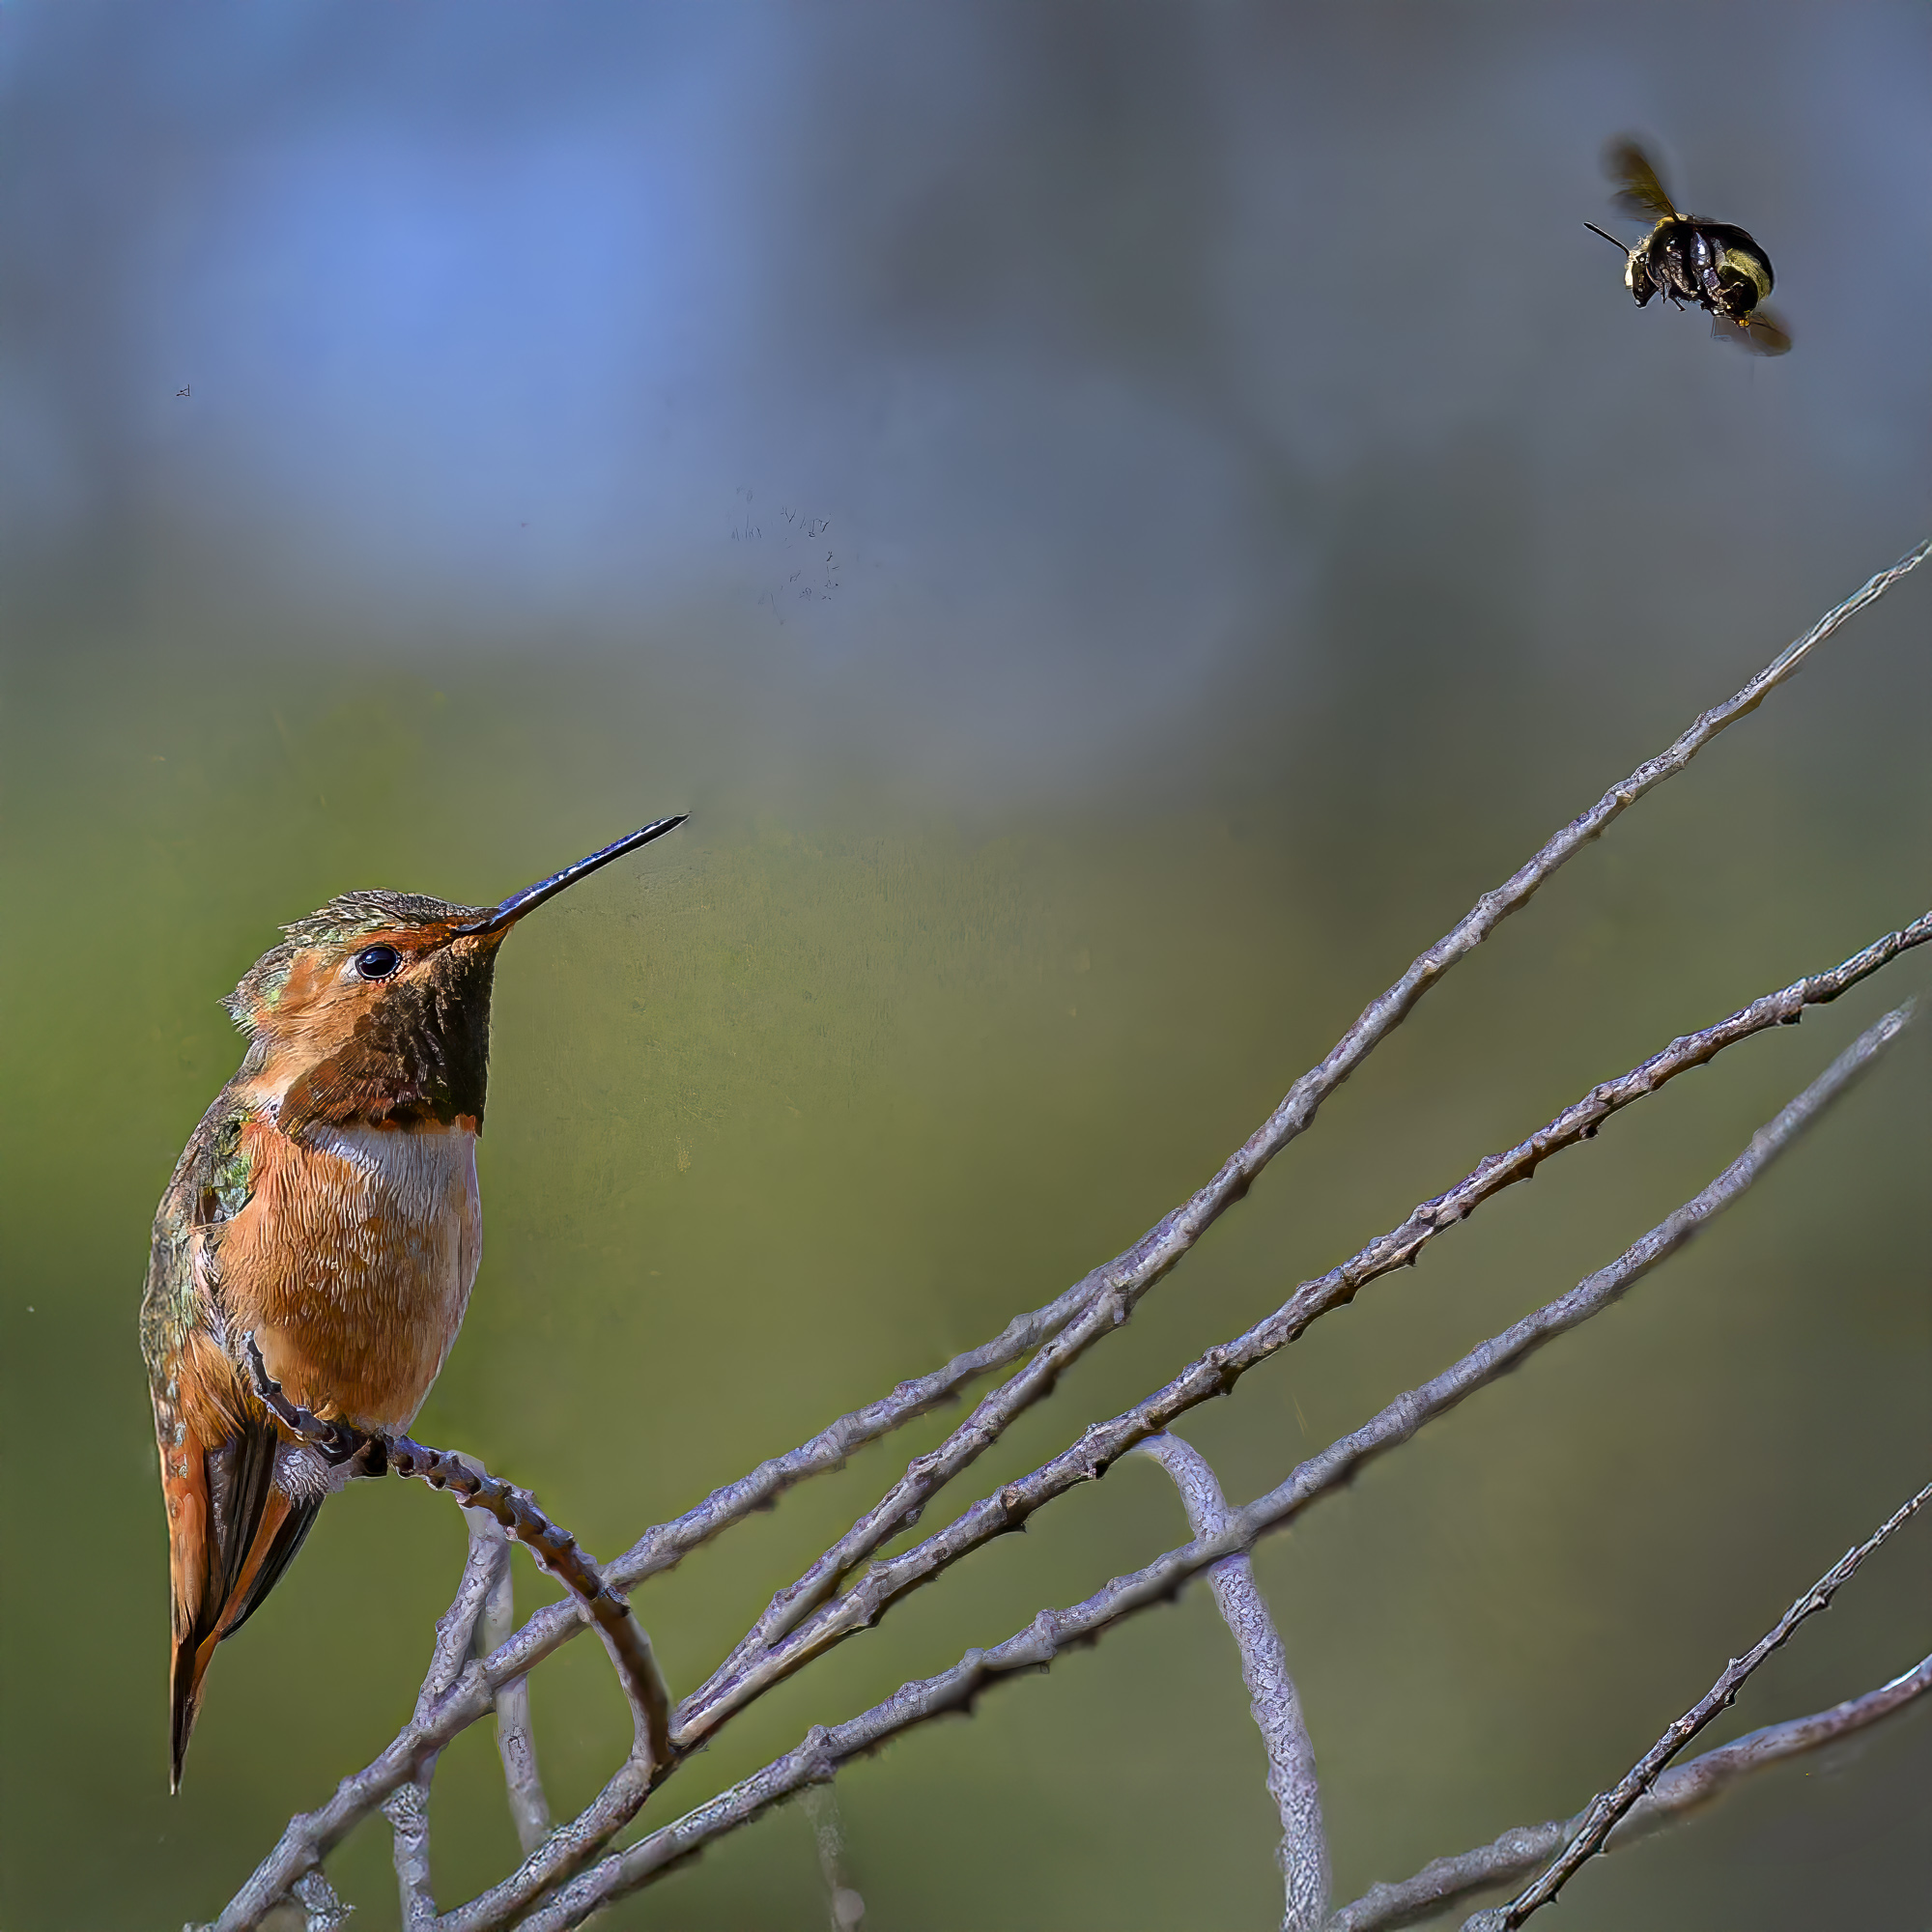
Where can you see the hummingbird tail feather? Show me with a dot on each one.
(232, 1535)
(281, 1529)
(188, 1563)
(190, 1667)
(277, 1544)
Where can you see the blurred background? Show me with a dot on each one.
(1117, 523)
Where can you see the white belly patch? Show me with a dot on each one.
(407, 1223)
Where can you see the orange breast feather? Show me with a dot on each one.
(352, 1263)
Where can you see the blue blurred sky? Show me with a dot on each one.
(989, 382)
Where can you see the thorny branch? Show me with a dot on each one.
(1303, 1852)
(1604, 1810)
(823, 1753)
(1517, 1853)
(1100, 1300)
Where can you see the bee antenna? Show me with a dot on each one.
(1620, 247)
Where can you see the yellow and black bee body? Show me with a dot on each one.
(1715, 265)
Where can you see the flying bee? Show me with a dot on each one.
(1684, 257)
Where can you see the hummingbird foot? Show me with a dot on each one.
(336, 1442)
(556, 1550)
(306, 1475)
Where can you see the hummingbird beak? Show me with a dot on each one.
(517, 904)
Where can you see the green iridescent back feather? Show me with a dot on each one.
(210, 1184)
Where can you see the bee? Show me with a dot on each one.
(1684, 257)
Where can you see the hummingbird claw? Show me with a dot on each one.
(553, 1546)
(337, 1442)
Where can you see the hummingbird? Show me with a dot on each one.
(328, 1206)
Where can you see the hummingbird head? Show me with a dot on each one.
(375, 1010)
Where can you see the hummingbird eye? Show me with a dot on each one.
(378, 962)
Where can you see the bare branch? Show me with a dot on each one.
(556, 1855)
(407, 1807)
(1217, 1371)
(485, 1565)
(555, 1548)
(821, 1754)
(565, 1852)
(516, 1746)
(845, 1908)
(1102, 1443)
(1508, 1860)
(1303, 1852)
(651, 1756)
(1104, 1298)
(309, 1836)
(1680, 1791)
(322, 1910)
(1688, 1787)
(1611, 1806)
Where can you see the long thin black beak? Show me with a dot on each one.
(517, 904)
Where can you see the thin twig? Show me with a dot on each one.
(822, 1753)
(651, 1756)
(1682, 1790)
(1217, 1371)
(1604, 1810)
(309, 1836)
(516, 1746)
(1106, 1296)
(457, 1627)
(557, 1855)
(407, 1807)
(1272, 1698)
(1214, 1373)
(564, 1853)
(322, 1910)
(555, 1548)
(845, 1908)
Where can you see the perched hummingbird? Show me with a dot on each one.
(326, 1204)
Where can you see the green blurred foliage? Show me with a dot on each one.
(804, 1099)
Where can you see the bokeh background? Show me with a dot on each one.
(1118, 522)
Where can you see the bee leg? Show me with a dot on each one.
(1710, 291)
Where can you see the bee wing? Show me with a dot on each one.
(1762, 333)
(1639, 190)
(1767, 332)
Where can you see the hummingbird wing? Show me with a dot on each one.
(231, 1532)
